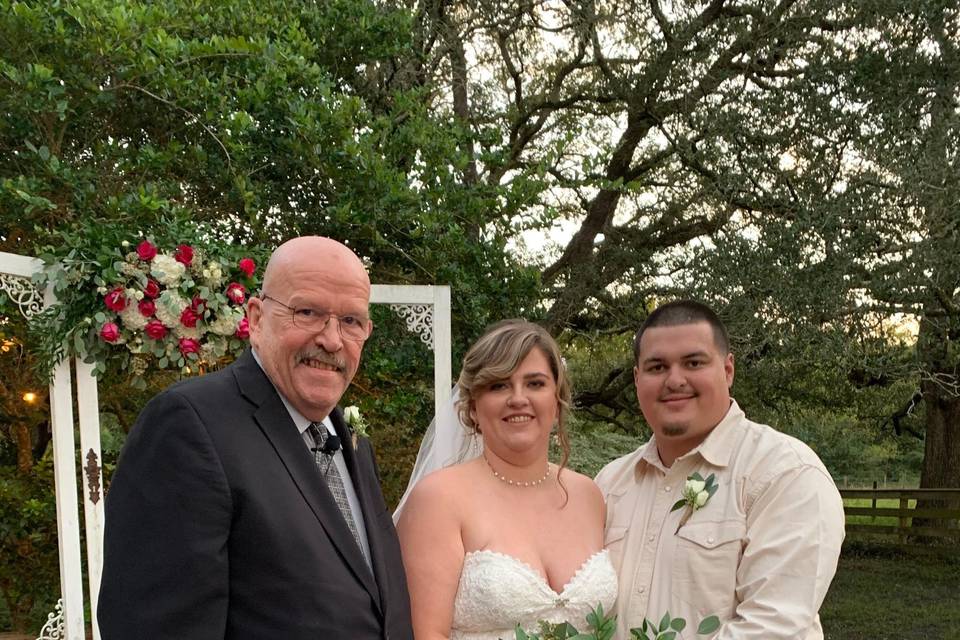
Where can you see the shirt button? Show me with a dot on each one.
(641, 589)
(667, 488)
(651, 538)
(710, 540)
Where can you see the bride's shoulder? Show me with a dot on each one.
(438, 494)
(445, 486)
(581, 487)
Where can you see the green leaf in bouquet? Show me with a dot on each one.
(708, 625)
(638, 634)
(664, 623)
(678, 624)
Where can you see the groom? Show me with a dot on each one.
(760, 551)
(240, 507)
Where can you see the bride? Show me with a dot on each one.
(504, 537)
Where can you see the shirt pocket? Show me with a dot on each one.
(613, 541)
(705, 564)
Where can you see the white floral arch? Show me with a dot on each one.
(425, 309)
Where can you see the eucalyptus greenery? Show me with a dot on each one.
(601, 626)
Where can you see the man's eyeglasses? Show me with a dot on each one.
(354, 328)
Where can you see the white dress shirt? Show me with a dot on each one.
(303, 424)
(760, 554)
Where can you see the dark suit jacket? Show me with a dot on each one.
(219, 525)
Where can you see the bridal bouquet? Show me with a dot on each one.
(602, 627)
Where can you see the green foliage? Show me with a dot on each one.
(592, 446)
(671, 628)
(600, 626)
(29, 574)
(879, 595)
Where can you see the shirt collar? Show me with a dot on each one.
(716, 449)
(302, 423)
(718, 446)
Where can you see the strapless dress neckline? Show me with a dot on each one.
(497, 591)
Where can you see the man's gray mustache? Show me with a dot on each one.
(324, 357)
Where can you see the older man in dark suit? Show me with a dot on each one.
(240, 507)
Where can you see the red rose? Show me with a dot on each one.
(146, 251)
(189, 318)
(189, 345)
(115, 300)
(156, 330)
(152, 290)
(184, 254)
(110, 332)
(247, 265)
(236, 292)
(243, 329)
(198, 304)
(147, 308)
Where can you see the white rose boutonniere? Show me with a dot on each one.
(358, 426)
(696, 493)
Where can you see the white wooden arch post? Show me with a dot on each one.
(425, 309)
(16, 273)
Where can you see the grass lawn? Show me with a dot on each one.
(885, 595)
(883, 503)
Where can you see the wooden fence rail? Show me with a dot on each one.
(895, 523)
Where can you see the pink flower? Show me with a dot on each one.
(184, 254)
(156, 330)
(115, 300)
(189, 345)
(243, 329)
(189, 317)
(147, 308)
(236, 292)
(198, 304)
(146, 251)
(152, 290)
(110, 332)
(247, 265)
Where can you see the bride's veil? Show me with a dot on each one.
(447, 442)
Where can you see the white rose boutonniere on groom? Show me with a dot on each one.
(696, 493)
(356, 422)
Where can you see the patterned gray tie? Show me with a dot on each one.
(332, 476)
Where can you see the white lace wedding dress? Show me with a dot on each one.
(497, 591)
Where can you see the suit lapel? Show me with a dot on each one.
(359, 464)
(275, 423)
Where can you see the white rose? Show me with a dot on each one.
(351, 414)
(701, 499)
(167, 270)
(694, 487)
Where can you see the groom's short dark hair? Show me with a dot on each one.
(680, 312)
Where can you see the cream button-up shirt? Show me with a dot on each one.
(760, 554)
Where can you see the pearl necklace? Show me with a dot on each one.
(518, 483)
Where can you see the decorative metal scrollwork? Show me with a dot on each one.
(53, 629)
(419, 319)
(93, 476)
(22, 293)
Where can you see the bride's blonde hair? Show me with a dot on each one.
(497, 354)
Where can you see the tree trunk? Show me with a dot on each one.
(24, 442)
(941, 459)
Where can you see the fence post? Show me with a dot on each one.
(873, 503)
(902, 534)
